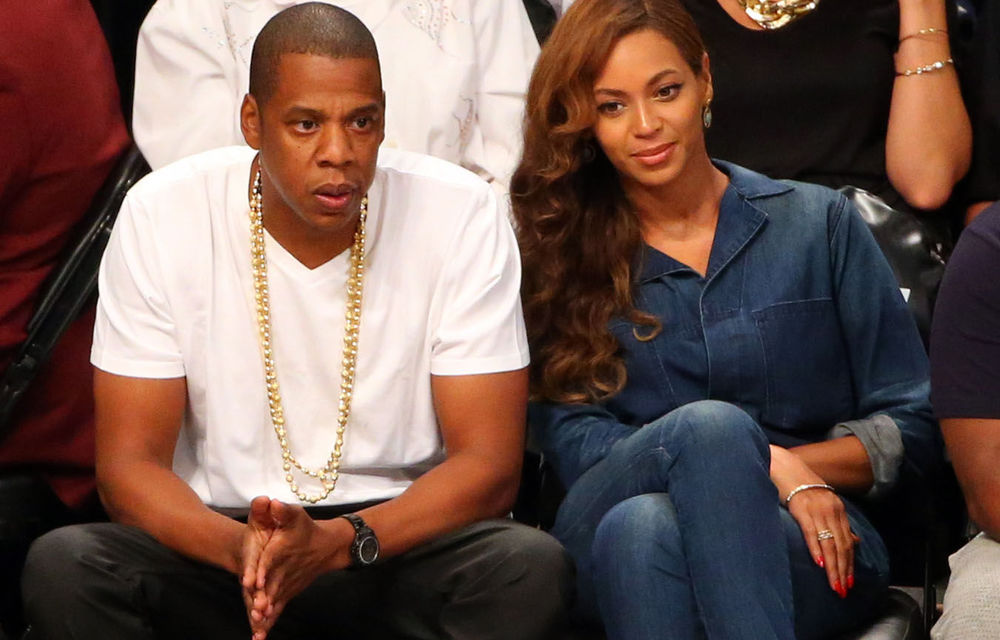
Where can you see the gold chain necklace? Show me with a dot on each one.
(329, 472)
(774, 14)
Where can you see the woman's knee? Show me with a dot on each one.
(635, 534)
(711, 426)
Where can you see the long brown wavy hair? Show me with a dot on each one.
(577, 233)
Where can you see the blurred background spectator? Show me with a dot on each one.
(821, 99)
(63, 131)
(982, 186)
(454, 73)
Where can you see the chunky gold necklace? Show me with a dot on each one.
(329, 472)
(774, 14)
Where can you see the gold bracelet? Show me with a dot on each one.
(927, 68)
(924, 32)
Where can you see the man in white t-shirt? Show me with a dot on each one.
(455, 72)
(300, 326)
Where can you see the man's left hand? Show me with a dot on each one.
(298, 551)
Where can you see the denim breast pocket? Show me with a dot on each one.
(806, 365)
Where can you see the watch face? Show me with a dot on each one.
(368, 549)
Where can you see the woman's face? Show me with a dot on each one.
(649, 106)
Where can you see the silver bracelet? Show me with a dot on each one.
(804, 487)
(927, 68)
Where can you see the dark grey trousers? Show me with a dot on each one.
(491, 580)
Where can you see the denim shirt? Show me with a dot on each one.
(798, 320)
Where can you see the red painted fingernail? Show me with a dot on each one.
(850, 581)
(839, 588)
(821, 562)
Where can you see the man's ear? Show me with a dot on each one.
(250, 121)
(381, 137)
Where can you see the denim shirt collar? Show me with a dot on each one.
(739, 221)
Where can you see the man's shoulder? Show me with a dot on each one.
(976, 253)
(189, 185)
(434, 200)
(987, 225)
(417, 170)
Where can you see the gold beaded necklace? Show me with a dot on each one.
(329, 472)
(774, 14)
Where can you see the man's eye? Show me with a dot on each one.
(305, 125)
(363, 122)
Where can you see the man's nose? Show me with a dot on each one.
(335, 147)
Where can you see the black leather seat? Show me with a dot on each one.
(900, 620)
(914, 251)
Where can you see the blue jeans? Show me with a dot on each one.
(679, 529)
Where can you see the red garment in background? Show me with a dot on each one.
(61, 130)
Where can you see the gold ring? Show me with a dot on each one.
(825, 534)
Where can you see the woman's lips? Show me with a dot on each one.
(653, 156)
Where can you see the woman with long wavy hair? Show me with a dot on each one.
(722, 363)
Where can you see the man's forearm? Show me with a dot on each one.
(974, 447)
(463, 489)
(145, 495)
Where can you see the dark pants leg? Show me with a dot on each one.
(493, 579)
(111, 581)
(28, 509)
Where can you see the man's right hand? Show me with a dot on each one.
(283, 551)
(260, 527)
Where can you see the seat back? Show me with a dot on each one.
(914, 251)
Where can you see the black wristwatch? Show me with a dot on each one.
(364, 549)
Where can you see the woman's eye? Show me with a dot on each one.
(668, 91)
(610, 108)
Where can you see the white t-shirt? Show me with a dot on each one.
(454, 71)
(441, 296)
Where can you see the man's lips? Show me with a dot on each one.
(334, 196)
(651, 156)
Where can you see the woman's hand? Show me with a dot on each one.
(817, 511)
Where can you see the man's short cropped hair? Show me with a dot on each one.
(313, 27)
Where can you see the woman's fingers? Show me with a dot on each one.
(827, 533)
(830, 551)
(849, 544)
(812, 541)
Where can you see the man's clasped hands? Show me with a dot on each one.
(284, 550)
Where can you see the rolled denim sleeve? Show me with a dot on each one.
(574, 437)
(889, 367)
(883, 442)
